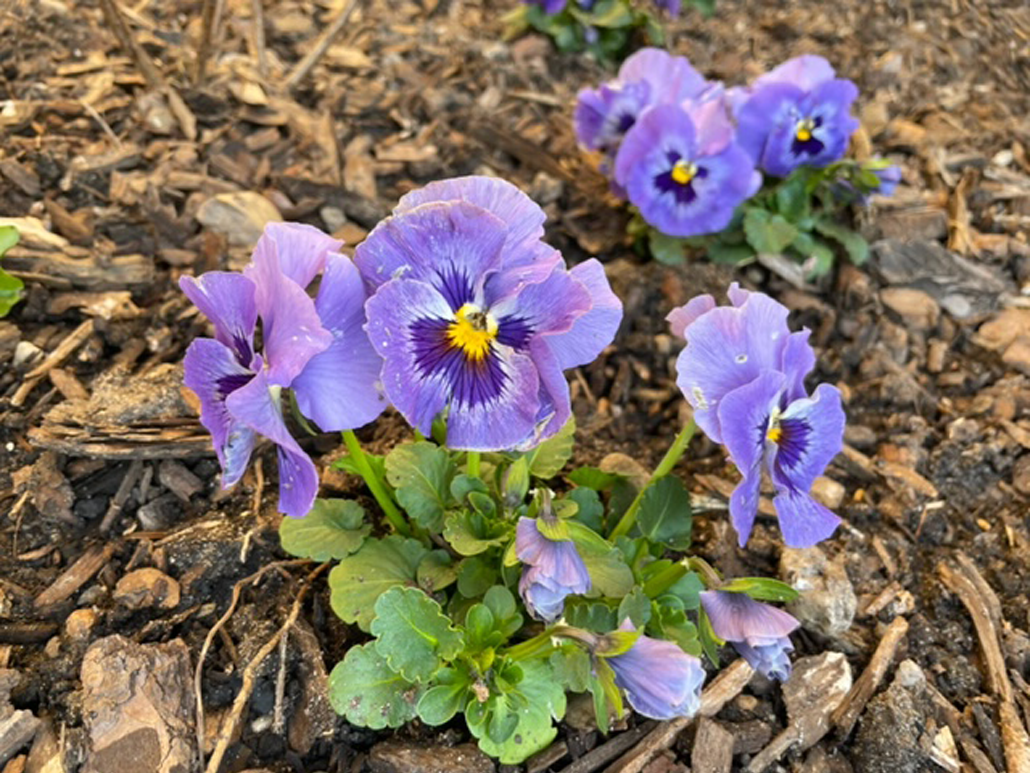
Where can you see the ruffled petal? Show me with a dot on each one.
(290, 326)
(682, 317)
(555, 401)
(254, 406)
(227, 300)
(450, 245)
(545, 307)
(767, 119)
(811, 434)
(672, 79)
(523, 216)
(806, 72)
(339, 389)
(593, 331)
(660, 680)
(213, 372)
(727, 348)
(299, 251)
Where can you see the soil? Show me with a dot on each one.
(932, 352)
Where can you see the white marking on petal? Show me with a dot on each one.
(699, 397)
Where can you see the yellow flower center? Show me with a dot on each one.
(472, 331)
(804, 130)
(683, 172)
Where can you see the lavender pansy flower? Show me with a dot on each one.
(472, 313)
(797, 114)
(550, 7)
(759, 632)
(743, 372)
(650, 77)
(683, 170)
(314, 346)
(554, 570)
(660, 680)
(889, 178)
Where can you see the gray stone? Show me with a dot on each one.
(397, 757)
(827, 600)
(139, 707)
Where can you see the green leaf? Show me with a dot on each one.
(361, 578)
(553, 528)
(10, 286)
(516, 482)
(501, 603)
(334, 528)
(854, 245)
(421, 473)
(592, 615)
(665, 515)
(793, 199)
(571, 666)
(376, 461)
(462, 485)
(436, 571)
(636, 606)
(614, 14)
(537, 700)
(609, 574)
(591, 477)
(470, 533)
(590, 509)
(672, 623)
(688, 590)
(761, 589)
(413, 633)
(440, 703)
(767, 232)
(666, 249)
(815, 253)
(475, 576)
(731, 254)
(710, 643)
(607, 696)
(365, 690)
(547, 459)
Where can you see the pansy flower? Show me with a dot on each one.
(660, 680)
(743, 372)
(798, 114)
(316, 347)
(683, 170)
(549, 7)
(554, 569)
(759, 632)
(475, 316)
(651, 76)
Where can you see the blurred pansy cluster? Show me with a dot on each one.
(738, 171)
(605, 28)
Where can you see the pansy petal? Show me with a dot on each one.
(593, 331)
(727, 348)
(803, 521)
(523, 216)
(555, 404)
(672, 79)
(806, 72)
(227, 299)
(547, 307)
(450, 245)
(298, 250)
(660, 680)
(290, 326)
(770, 110)
(744, 418)
(682, 317)
(339, 388)
(811, 434)
(397, 313)
(738, 617)
(213, 372)
(797, 360)
(298, 479)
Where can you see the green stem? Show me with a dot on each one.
(672, 456)
(706, 570)
(543, 643)
(472, 462)
(665, 579)
(375, 485)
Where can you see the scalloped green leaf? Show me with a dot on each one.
(334, 528)
(365, 690)
(421, 473)
(362, 577)
(413, 633)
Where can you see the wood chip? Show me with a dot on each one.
(76, 575)
(845, 715)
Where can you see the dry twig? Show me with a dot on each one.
(303, 67)
(55, 358)
(845, 715)
(116, 22)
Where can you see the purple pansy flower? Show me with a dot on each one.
(316, 347)
(889, 178)
(682, 169)
(743, 372)
(797, 114)
(650, 77)
(550, 7)
(660, 680)
(472, 313)
(759, 632)
(554, 570)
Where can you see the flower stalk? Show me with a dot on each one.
(375, 484)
